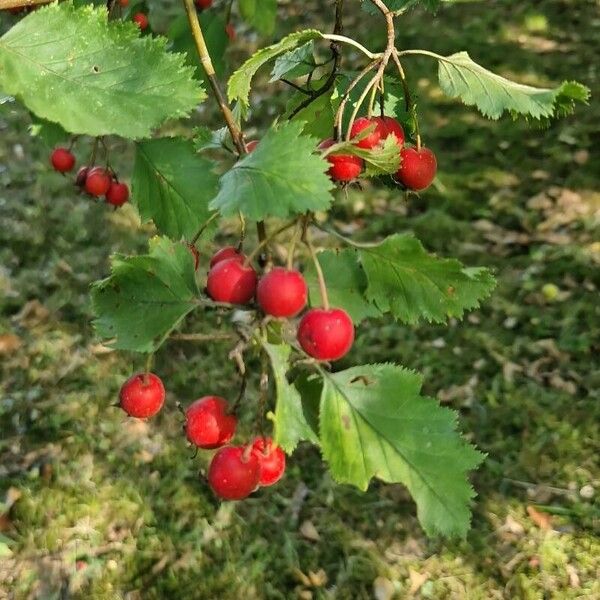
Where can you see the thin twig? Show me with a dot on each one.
(203, 337)
(318, 269)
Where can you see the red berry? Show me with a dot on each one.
(344, 167)
(141, 20)
(251, 145)
(62, 160)
(282, 293)
(389, 126)
(81, 176)
(271, 459)
(98, 181)
(326, 334)
(124, 3)
(417, 169)
(203, 4)
(194, 252)
(118, 194)
(142, 395)
(225, 253)
(230, 281)
(230, 31)
(234, 473)
(371, 140)
(208, 425)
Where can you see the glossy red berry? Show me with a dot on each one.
(271, 459)
(81, 176)
(326, 334)
(417, 169)
(117, 194)
(344, 167)
(62, 160)
(203, 4)
(282, 292)
(251, 145)
(230, 281)
(141, 20)
(208, 424)
(196, 255)
(230, 31)
(98, 181)
(371, 140)
(389, 126)
(142, 395)
(224, 254)
(234, 472)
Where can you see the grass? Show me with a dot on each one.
(109, 508)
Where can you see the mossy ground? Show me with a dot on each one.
(105, 507)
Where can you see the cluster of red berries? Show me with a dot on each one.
(235, 471)
(323, 333)
(418, 164)
(95, 181)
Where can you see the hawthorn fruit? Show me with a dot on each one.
(344, 167)
(326, 334)
(208, 425)
(62, 160)
(141, 20)
(282, 292)
(271, 459)
(81, 177)
(234, 472)
(417, 169)
(371, 140)
(231, 281)
(97, 181)
(117, 194)
(142, 395)
(225, 253)
(203, 4)
(389, 126)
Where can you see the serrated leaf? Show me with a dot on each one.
(145, 297)
(383, 159)
(283, 176)
(207, 139)
(375, 423)
(260, 14)
(461, 77)
(290, 423)
(411, 284)
(72, 67)
(294, 64)
(238, 87)
(346, 283)
(172, 185)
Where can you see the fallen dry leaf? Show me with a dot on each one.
(318, 578)
(9, 342)
(541, 519)
(309, 531)
(383, 588)
(573, 576)
(416, 580)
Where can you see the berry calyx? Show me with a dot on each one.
(371, 140)
(117, 194)
(203, 4)
(389, 126)
(344, 167)
(231, 281)
(282, 292)
(98, 181)
(230, 31)
(81, 176)
(62, 160)
(208, 424)
(142, 395)
(195, 253)
(417, 169)
(234, 472)
(141, 20)
(224, 254)
(326, 334)
(271, 459)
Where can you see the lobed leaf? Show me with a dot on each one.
(295, 63)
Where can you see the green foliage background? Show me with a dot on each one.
(523, 371)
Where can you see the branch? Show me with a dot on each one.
(8, 4)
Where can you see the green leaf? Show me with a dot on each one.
(50, 133)
(375, 423)
(172, 185)
(238, 87)
(290, 423)
(384, 159)
(346, 283)
(260, 14)
(317, 117)
(207, 139)
(461, 77)
(294, 64)
(145, 297)
(70, 66)
(405, 280)
(283, 176)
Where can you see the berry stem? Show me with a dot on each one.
(148, 368)
(318, 269)
(263, 395)
(243, 384)
(292, 247)
(203, 228)
(346, 40)
(266, 240)
(240, 245)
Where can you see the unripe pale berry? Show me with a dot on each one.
(271, 459)
(234, 472)
(142, 395)
(208, 424)
(98, 181)
(141, 20)
(371, 140)
(344, 167)
(389, 126)
(62, 160)
(225, 253)
(232, 282)
(282, 292)
(326, 334)
(417, 169)
(117, 194)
